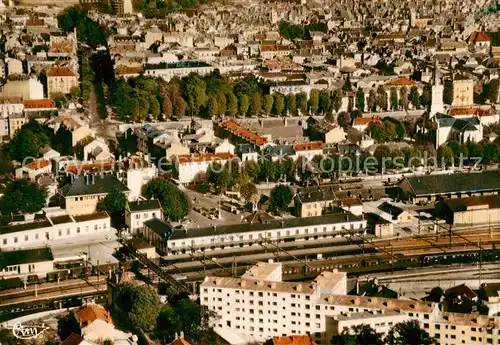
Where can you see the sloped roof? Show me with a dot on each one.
(61, 72)
(88, 314)
(73, 339)
(179, 341)
(87, 185)
(293, 340)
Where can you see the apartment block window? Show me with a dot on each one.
(4, 241)
(15, 239)
(26, 238)
(68, 231)
(78, 230)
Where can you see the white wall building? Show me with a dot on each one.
(53, 224)
(24, 89)
(194, 166)
(137, 212)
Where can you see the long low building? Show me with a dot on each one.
(175, 241)
(26, 262)
(472, 210)
(257, 307)
(52, 224)
(424, 189)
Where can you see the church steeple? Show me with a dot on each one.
(437, 75)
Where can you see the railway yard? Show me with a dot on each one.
(357, 255)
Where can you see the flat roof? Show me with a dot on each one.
(7, 229)
(20, 257)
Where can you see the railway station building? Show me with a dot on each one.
(173, 241)
(473, 210)
(431, 188)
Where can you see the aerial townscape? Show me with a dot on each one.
(249, 172)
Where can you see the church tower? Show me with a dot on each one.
(437, 105)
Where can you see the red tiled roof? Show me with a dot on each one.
(179, 341)
(39, 103)
(60, 72)
(39, 164)
(360, 121)
(315, 145)
(237, 129)
(401, 82)
(90, 313)
(469, 111)
(479, 36)
(204, 157)
(293, 340)
(81, 167)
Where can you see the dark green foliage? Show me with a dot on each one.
(448, 92)
(136, 306)
(114, 202)
(281, 196)
(173, 201)
(88, 31)
(408, 333)
(291, 31)
(360, 335)
(68, 325)
(360, 99)
(28, 141)
(22, 196)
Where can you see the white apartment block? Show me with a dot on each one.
(255, 308)
(140, 211)
(177, 69)
(192, 167)
(54, 224)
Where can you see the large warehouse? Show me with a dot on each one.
(472, 210)
(428, 188)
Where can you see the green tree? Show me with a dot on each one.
(244, 104)
(414, 97)
(221, 103)
(347, 85)
(28, 141)
(194, 91)
(435, 295)
(22, 196)
(248, 191)
(394, 98)
(173, 201)
(445, 155)
(255, 104)
(232, 105)
(372, 100)
(313, 101)
(114, 202)
(75, 93)
(219, 176)
(382, 101)
(491, 153)
(281, 196)
(344, 119)
(291, 104)
(268, 104)
(360, 99)
(168, 323)
(59, 99)
(337, 100)
(212, 107)
(403, 98)
(278, 104)
(251, 169)
(167, 107)
(154, 107)
(325, 104)
(426, 96)
(302, 103)
(137, 306)
(448, 92)
(493, 90)
(358, 335)
(66, 326)
(408, 333)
